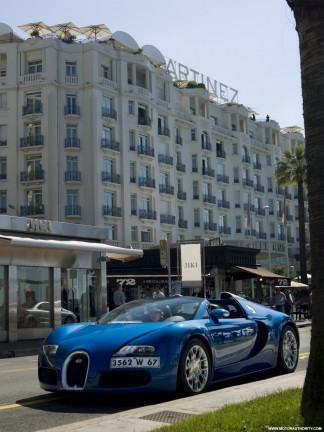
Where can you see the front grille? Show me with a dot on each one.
(76, 370)
(47, 376)
(124, 379)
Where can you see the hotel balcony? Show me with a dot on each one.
(73, 210)
(32, 108)
(146, 182)
(109, 144)
(72, 142)
(32, 141)
(110, 178)
(109, 113)
(167, 219)
(111, 211)
(166, 189)
(73, 176)
(32, 210)
(37, 175)
(147, 214)
(72, 110)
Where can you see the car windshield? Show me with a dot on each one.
(156, 309)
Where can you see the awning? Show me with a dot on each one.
(267, 276)
(297, 285)
(112, 252)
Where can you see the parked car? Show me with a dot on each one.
(38, 315)
(168, 344)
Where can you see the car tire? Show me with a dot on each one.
(69, 320)
(194, 372)
(288, 350)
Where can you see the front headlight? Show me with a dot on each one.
(135, 350)
(50, 351)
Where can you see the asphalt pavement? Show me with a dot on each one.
(154, 416)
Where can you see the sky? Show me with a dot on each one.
(251, 46)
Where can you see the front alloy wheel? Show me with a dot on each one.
(194, 368)
(288, 350)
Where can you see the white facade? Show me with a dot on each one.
(96, 133)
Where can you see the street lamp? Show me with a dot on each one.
(266, 207)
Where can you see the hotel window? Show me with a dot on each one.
(35, 201)
(3, 168)
(3, 65)
(194, 161)
(3, 100)
(146, 236)
(197, 217)
(105, 72)
(132, 172)
(109, 199)
(131, 140)
(235, 148)
(130, 107)
(71, 68)
(3, 201)
(193, 134)
(72, 197)
(111, 232)
(134, 234)
(133, 205)
(238, 224)
(34, 66)
(195, 189)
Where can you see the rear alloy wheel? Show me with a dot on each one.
(288, 350)
(194, 368)
(68, 320)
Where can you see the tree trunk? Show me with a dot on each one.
(302, 238)
(309, 16)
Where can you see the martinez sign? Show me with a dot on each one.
(221, 92)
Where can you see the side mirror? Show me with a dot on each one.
(217, 313)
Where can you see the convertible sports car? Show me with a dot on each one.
(168, 344)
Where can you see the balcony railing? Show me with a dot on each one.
(181, 167)
(168, 160)
(210, 226)
(110, 144)
(109, 113)
(73, 210)
(167, 219)
(32, 210)
(208, 172)
(210, 199)
(222, 178)
(32, 141)
(146, 182)
(182, 195)
(145, 151)
(111, 211)
(72, 110)
(32, 175)
(183, 223)
(110, 178)
(144, 120)
(147, 214)
(72, 176)
(163, 130)
(72, 142)
(31, 108)
(223, 204)
(166, 189)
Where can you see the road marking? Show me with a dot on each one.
(18, 370)
(302, 356)
(33, 402)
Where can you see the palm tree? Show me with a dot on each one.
(292, 171)
(309, 17)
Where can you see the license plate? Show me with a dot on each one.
(135, 362)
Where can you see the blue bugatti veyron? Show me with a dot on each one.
(168, 344)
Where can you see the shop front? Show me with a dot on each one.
(52, 273)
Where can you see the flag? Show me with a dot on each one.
(283, 219)
(248, 218)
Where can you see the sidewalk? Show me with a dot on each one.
(32, 347)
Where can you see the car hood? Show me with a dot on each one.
(99, 338)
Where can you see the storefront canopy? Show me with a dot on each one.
(112, 252)
(239, 272)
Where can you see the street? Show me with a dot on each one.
(24, 407)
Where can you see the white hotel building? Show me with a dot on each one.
(102, 133)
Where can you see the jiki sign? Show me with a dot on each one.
(191, 264)
(221, 92)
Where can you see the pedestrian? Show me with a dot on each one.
(280, 300)
(158, 292)
(119, 296)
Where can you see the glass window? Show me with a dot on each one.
(3, 298)
(34, 66)
(33, 297)
(78, 292)
(70, 68)
(3, 201)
